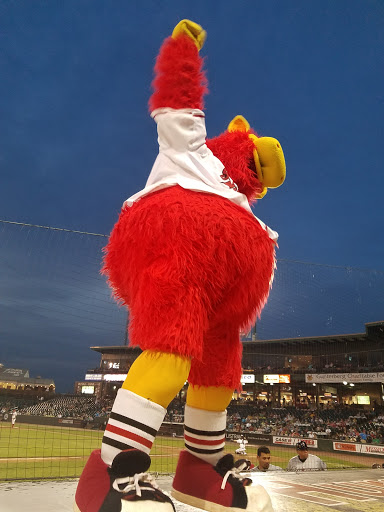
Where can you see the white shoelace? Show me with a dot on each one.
(234, 472)
(133, 483)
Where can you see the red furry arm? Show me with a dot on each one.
(179, 80)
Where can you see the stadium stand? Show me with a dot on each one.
(70, 407)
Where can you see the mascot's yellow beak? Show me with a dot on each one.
(269, 162)
(268, 156)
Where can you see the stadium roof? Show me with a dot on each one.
(372, 338)
(313, 339)
(333, 338)
(11, 373)
(21, 376)
(119, 349)
(28, 381)
(374, 332)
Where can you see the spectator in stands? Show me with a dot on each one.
(304, 461)
(264, 460)
(363, 436)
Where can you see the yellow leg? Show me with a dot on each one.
(157, 376)
(209, 398)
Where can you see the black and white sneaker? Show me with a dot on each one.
(124, 487)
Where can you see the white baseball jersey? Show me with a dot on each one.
(313, 462)
(242, 443)
(184, 159)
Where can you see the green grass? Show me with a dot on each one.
(36, 452)
(59, 452)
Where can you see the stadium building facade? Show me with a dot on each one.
(314, 372)
(104, 382)
(17, 380)
(318, 371)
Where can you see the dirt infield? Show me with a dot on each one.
(357, 491)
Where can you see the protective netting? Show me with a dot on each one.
(313, 364)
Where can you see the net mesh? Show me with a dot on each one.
(320, 320)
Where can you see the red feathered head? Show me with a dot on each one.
(254, 164)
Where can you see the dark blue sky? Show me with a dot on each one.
(76, 139)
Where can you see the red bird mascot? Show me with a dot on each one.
(194, 266)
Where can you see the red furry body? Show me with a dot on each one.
(193, 267)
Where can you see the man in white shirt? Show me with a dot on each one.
(305, 461)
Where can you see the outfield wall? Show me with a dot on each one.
(47, 421)
(325, 445)
(177, 429)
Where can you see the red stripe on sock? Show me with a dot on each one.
(203, 441)
(129, 435)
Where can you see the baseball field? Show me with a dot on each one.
(39, 452)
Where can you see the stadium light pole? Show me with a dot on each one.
(126, 340)
(254, 332)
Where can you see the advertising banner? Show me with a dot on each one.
(373, 449)
(115, 377)
(247, 378)
(251, 437)
(233, 435)
(346, 447)
(93, 376)
(259, 438)
(292, 441)
(326, 378)
(276, 379)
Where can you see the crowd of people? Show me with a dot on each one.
(76, 407)
(343, 423)
(9, 404)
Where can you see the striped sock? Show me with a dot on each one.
(133, 423)
(204, 433)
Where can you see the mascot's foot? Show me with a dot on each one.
(123, 487)
(217, 488)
